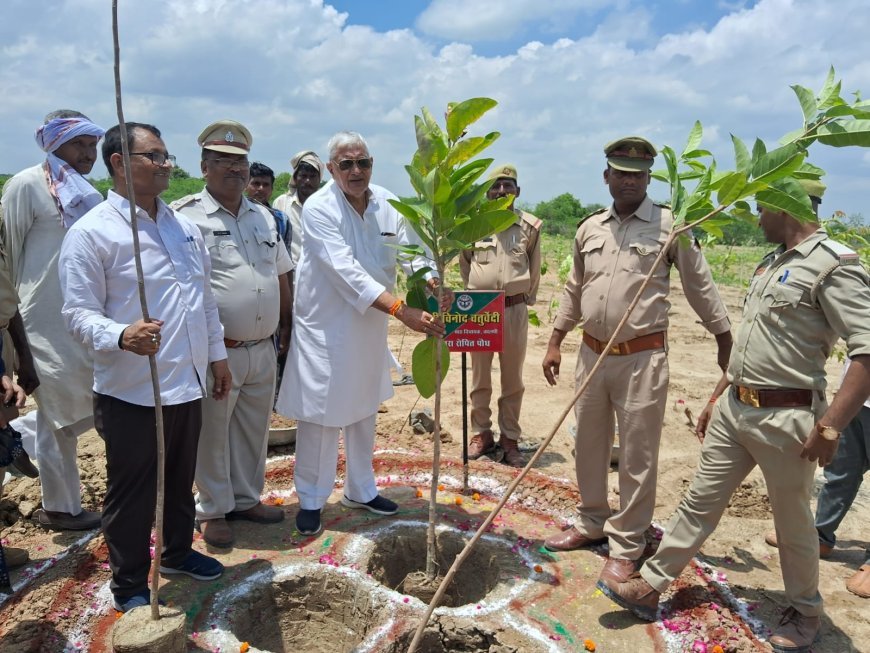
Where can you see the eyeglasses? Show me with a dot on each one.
(157, 158)
(346, 164)
(226, 162)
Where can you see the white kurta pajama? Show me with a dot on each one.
(337, 370)
(34, 234)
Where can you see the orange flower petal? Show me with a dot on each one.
(588, 644)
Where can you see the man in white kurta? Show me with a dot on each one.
(337, 370)
(39, 205)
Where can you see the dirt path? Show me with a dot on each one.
(736, 551)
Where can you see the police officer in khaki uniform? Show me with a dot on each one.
(248, 278)
(614, 250)
(509, 261)
(803, 297)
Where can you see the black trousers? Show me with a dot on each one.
(129, 431)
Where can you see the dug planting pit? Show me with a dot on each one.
(396, 560)
(309, 607)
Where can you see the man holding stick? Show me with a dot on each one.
(614, 251)
(102, 310)
(770, 410)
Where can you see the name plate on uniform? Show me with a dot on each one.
(475, 321)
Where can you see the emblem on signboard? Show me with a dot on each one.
(464, 302)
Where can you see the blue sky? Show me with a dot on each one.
(569, 76)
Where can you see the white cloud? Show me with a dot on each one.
(297, 71)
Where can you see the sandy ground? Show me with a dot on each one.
(736, 549)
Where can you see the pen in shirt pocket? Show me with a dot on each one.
(784, 277)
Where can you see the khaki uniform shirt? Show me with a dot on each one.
(798, 304)
(611, 259)
(509, 260)
(246, 259)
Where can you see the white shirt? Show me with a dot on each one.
(337, 369)
(101, 298)
(289, 205)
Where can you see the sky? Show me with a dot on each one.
(569, 76)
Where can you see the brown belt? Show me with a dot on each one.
(513, 300)
(641, 343)
(235, 344)
(774, 397)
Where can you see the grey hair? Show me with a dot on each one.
(64, 113)
(346, 139)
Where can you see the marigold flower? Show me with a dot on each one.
(538, 569)
(419, 493)
(475, 496)
(458, 501)
(588, 644)
(244, 648)
(717, 649)
(441, 487)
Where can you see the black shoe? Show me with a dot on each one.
(308, 522)
(379, 505)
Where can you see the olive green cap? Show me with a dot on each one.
(504, 171)
(631, 154)
(814, 188)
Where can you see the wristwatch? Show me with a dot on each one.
(827, 432)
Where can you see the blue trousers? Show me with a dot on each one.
(843, 477)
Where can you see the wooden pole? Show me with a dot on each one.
(448, 577)
(152, 360)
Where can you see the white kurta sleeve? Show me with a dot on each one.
(335, 261)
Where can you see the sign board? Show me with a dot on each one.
(475, 321)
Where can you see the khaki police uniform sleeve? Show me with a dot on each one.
(698, 285)
(844, 297)
(465, 257)
(534, 266)
(569, 307)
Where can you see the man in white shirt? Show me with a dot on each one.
(39, 205)
(101, 309)
(307, 174)
(337, 370)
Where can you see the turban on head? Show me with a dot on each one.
(309, 157)
(58, 131)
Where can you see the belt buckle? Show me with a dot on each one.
(749, 396)
(615, 350)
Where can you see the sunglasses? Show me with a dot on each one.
(346, 164)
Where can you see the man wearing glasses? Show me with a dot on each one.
(101, 309)
(249, 266)
(337, 369)
(39, 205)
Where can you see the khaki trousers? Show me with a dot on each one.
(635, 389)
(231, 460)
(511, 359)
(740, 437)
